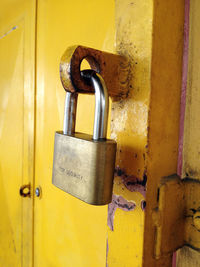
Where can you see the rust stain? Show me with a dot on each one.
(112, 67)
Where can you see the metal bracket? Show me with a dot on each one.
(177, 216)
(115, 70)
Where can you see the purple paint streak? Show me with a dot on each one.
(131, 182)
(107, 248)
(174, 260)
(134, 186)
(184, 86)
(183, 95)
(121, 203)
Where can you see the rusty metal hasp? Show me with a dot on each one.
(112, 67)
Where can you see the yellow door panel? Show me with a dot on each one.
(67, 231)
(11, 145)
(17, 41)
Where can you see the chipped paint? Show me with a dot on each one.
(8, 32)
(121, 203)
(132, 183)
(129, 125)
(127, 115)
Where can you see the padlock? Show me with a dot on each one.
(83, 165)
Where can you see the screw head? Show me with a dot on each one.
(37, 192)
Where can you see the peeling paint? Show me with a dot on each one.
(131, 115)
(129, 122)
(132, 182)
(121, 203)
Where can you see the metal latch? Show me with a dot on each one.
(177, 216)
(113, 68)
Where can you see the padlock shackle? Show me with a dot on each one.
(70, 113)
(101, 106)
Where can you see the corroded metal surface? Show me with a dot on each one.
(112, 67)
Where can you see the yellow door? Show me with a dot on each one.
(17, 65)
(56, 229)
(67, 232)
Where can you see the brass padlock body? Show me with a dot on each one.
(83, 167)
